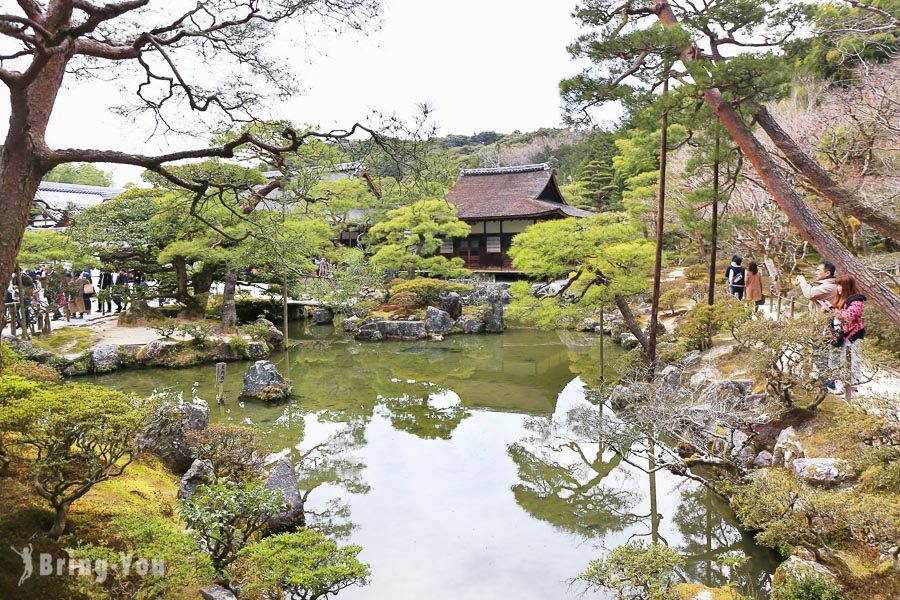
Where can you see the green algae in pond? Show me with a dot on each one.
(454, 464)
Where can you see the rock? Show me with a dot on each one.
(799, 566)
(824, 472)
(437, 321)
(452, 305)
(73, 367)
(200, 473)
(493, 317)
(391, 330)
(787, 448)
(165, 433)
(726, 394)
(283, 478)
(257, 350)
(691, 357)
(273, 336)
(588, 324)
(160, 350)
(763, 460)
(698, 379)
(437, 337)
(322, 316)
(217, 592)
(262, 381)
(628, 341)
(27, 349)
(351, 324)
(624, 396)
(671, 376)
(470, 324)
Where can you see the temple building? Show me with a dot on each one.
(498, 203)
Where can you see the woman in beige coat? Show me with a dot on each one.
(753, 292)
(76, 296)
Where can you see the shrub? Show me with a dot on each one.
(199, 332)
(79, 435)
(703, 321)
(812, 586)
(697, 271)
(227, 518)
(239, 344)
(159, 541)
(881, 331)
(301, 565)
(235, 451)
(164, 327)
(426, 291)
(33, 371)
(671, 298)
(635, 571)
(786, 353)
(257, 330)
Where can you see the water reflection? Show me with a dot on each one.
(463, 467)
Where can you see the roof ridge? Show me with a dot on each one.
(505, 170)
(80, 187)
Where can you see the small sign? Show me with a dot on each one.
(220, 372)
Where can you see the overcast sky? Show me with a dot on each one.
(482, 64)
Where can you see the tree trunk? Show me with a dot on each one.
(701, 249)
(229, 309)
(884, 222)
(631, 323)
(797, 211)
(711, 293)
(59, 521)
(660, 224)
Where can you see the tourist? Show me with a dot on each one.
(119, 288)
(106, 283)
(75, 290)
(88, 290)
(754, 292)
(324, 269)
(823, 291)
(734, 274)
(848, 319)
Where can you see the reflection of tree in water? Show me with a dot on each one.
(332, 463)
(423, 409)
(561, 481)
(709, 532)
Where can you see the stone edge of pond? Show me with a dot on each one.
(106, 358)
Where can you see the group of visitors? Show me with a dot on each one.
(827, 294)
(67, 294)
(744, 284)
(840, 297)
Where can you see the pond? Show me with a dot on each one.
(454, 465)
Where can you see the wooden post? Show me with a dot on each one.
(711, 293)
(792, 308)
(601, 343)
(778, 310)
(220, 383)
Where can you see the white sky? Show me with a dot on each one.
(482, 64)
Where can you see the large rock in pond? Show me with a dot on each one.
(351, 324)
(165, 433)
(262, 381)
(470, 324)
(392, 330)
(159, 350)
(272, 336)
(799, 566)
(825, 472)
(493, 316)
(452, 305)
(787, 448)
(200, 473)
(322, 316)
(283, 478)
(437, 321)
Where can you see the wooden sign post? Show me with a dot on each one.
(220, 382)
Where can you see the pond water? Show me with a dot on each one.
(454, 465)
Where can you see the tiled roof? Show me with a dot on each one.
(510, 192)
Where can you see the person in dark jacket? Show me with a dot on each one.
(735, 275)
(848, 316)
(106, 283)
